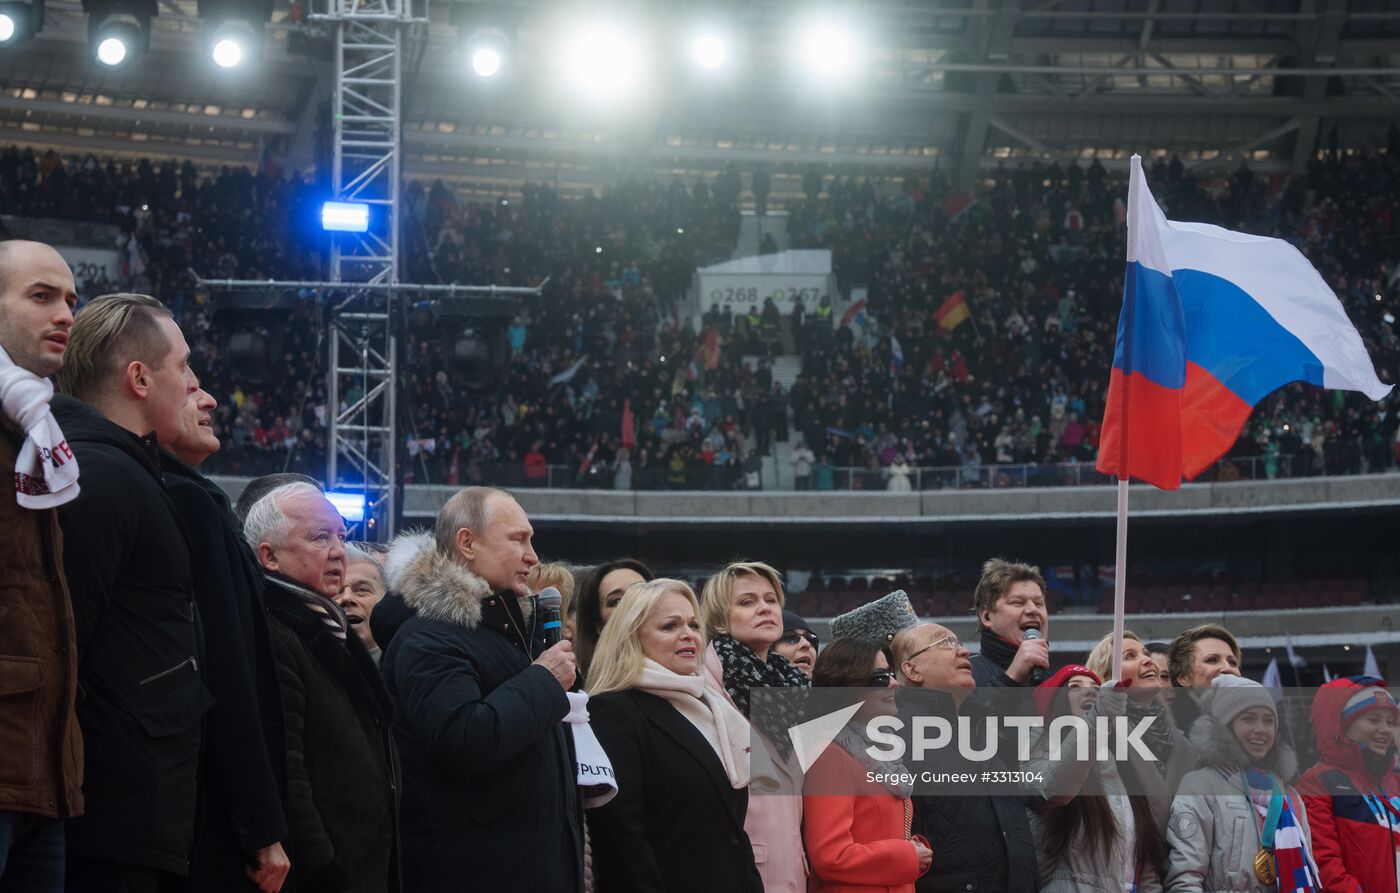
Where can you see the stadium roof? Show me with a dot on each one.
(956, 83)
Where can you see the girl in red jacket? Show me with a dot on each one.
(1353, 793)
(857, 829)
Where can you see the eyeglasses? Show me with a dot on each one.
(881, 678)
(792, 638)
(947, 643)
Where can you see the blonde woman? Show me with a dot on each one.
(679, 751)
(743, 618)
(1142, 673)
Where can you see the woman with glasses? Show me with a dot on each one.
(858, 824)
(742, 612)
(798, 644)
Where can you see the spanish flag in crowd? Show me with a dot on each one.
(953, 311)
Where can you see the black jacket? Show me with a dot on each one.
(128, 568)
(990, 665)
(490, 789)
(676, 824)
(981, 843)
(243, 767)
(341, 767)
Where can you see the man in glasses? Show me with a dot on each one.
(980, 842)
(799, 643)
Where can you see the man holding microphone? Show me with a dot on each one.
(1014, 623)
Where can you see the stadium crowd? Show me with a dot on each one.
(205, 696)
(1035, 259)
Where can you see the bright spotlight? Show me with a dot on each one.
(118, 38)
(111, 51)
(20, 21)
(232, 42)
(603, 61)
(486, 62)
(345, 217)
(227, 53)
(709, 51)
(350, 504)
(828, 50)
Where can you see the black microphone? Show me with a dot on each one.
(1038, 674)
(547, 604)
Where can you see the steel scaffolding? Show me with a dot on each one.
(367, 123)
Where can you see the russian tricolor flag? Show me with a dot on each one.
(1212, 321)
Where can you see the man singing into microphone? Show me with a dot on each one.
(1013, 622)
(490, 799)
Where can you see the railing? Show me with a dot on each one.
(831, 479)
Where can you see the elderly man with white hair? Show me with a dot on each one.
(340, 765)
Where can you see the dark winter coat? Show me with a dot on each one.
(243, 767)
(989, 666)
(341, 766)
(676, 823)
(42, 772)
(488, 765)
(1355, 850)
(128, 568)
(980, 843)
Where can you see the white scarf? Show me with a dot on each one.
(596, 782)
(709, 711)
(46, 471)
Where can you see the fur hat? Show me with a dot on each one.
(1232, 695)
(876, 621)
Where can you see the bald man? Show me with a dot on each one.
(41, 773)
(979, 842)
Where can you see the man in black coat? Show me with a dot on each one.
(1011, 601)
(128, 568)
(490, 786)
(980, 842)
(238, 846)
(342, 773)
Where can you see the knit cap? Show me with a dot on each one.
(1232, 695)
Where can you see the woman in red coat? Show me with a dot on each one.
(1353, 793)
(857, 831)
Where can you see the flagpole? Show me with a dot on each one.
(1120, 578)
(1120, 556)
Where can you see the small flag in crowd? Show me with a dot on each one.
(1212, 321)
(952, 312)
(896, 357)
(1372, 668)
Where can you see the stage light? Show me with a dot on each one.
(233, 29)
(113, 50)
(602, 61)
(486, 32)
(709, 50)
(345, 217)
(20, 21)
(350, 504)
(486, 61)
(233, 41)
(827, 49)
(227, 53)
(119, 30)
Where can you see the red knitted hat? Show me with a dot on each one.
(1045, 692)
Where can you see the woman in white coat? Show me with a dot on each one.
(1236, 825)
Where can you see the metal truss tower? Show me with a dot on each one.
(367, 120)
